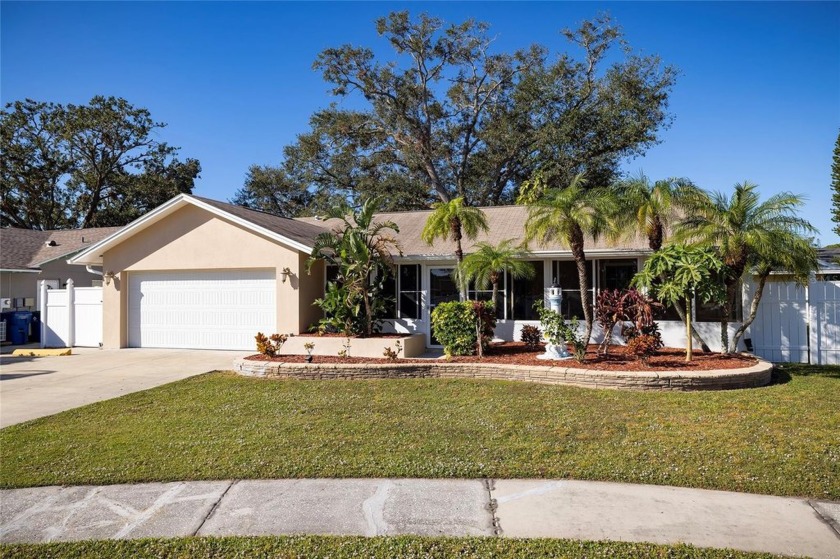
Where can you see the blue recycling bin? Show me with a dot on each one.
(19, 327)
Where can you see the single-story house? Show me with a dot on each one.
(199, 273)
(28, 256)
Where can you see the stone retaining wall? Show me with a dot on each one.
(757, 375)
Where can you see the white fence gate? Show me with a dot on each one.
(71, 317)
(824, 301)
(797, 324)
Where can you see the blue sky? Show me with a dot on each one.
(758, 97)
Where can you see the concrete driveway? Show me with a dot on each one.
(37, 387)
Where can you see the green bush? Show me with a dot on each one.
(455, 325)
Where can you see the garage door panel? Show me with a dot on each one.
(205, 310)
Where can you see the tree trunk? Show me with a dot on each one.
(495, 294)
(459, 257)
(697, 337)
(759, 291)
(576, 244)
(731, 291)
(688, 347)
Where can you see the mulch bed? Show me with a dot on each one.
(515, 353)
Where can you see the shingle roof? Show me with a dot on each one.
(505, 222)
(22, 249)
(297, 230)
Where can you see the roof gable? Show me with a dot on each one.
(293, 234)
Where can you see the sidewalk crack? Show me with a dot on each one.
(214, 507)
(492, 505)
(827, 520)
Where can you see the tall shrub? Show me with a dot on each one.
(464, 327)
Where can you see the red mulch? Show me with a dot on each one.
(515, 353)
(340, 335)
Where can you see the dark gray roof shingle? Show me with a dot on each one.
(296, 230)
(22, 249)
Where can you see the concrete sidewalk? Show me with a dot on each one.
(368, 507)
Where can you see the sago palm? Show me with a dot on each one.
(453, 220)
(570, 215)
(488, 264)
(745, 231)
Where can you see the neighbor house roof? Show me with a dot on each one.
(505, 222)
(27, 249)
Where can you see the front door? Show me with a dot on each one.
(442, 289)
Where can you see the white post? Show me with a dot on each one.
(71, 314)
(42, 306)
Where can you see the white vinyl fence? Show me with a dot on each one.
(796, 323)
(71, 317)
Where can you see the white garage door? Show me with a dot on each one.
(201, 309)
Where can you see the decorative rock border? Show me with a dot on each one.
(750, 377)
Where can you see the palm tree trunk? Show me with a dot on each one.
(688, 347)
(731, 289)
(576, 244)
(495, 295)
(759, 291)
(459, 257)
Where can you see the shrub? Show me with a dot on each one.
(615, 306)
(270, 345)
(531, 335)
(643, 346)
(557, 331)
(457, 325)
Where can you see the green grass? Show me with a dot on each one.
(782, 439)
(352, 547)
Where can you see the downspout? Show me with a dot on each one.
(92, 271)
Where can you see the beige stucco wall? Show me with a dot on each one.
(194, 239)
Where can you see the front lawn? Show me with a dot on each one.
(781, 439)
(351, 547)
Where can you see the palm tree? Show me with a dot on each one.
(361, 248)
(745, 230)
(651, 207)
(488, 264)
(451, 221)
(794, 255)
(569, 215)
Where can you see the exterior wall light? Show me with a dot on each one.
(108, 276)
(284, 274)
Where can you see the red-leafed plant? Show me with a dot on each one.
(618, 306)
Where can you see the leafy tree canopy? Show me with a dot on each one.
(94, 165)
(448, 117)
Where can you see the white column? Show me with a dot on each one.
(71, 314)
(42, 306)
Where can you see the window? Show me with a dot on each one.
(521, 294)
(616, 274)
(487, 295)
(711, 312)
(389, 290)
(409, 296)
(565, 273)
